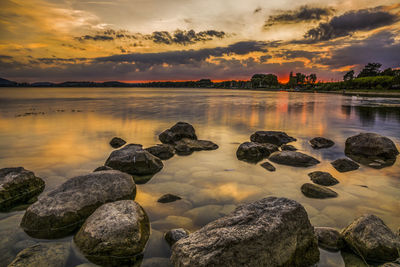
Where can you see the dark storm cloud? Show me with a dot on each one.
(5, 57)
(350, 22)
(292, 54)
(185, 37)
(303, 14)
(55, 60)
(94, 38)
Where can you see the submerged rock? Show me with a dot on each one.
(323, 178)
(186, 146)
(293, 158)
(269, 232)
(133, 159)
(254, 152)
(43, 254)
(63, 210)
(174, 235)
(168, 198)
(271, 137)
(103, 168)
(321, 142)
(328, 238)
(369, 237)
(115, 234)
(288, 148)
(345, 165)
(177, 132)
(117, 142)
(268, 166)
(317, 191)
(156, 262)
(371, 149)
(18, 186)
(162, 151)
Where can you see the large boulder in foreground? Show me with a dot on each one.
(115, 234)
(271, 137)
(133, 159)
(371, 149)
(369, 237)
(18, 186)
(63, 210)
(254, 152)
(177, 132)
(269, 232)
(186, 146)
(293, 158)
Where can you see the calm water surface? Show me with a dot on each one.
(60, 133)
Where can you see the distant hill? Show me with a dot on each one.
(5, 83)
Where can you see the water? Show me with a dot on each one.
(62, 132)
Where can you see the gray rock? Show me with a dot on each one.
(254, 152)
(271, 137)
(115, 234)
(345, 165)
(117, 142)
(269, 232)
(268, 166)
(371, 149)
(328, 238)
(43, 254)
(134, 160)
(317, 191)
(321, 142)
(167, 198)
(177, 132)
(369, 237)
(288, 148)
(18, 186)
(174, 235)
(103, 168)
(162, 151)
(187, 146)
(63, 210)
(156, 262)
(293, 158)
(323, 178)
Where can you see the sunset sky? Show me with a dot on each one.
(148, 40)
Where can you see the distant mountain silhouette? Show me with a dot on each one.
(4, 82)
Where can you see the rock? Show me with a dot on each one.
(18, 186)
(174, 235)
(345, 165)
(117, 142)
(271, 137)
(156, 262)
(367, 148)
(254, 152)
(396, 263)
(352, 260)
(168, 198)
(63, 210)
(321, 142)
(328, 238)
(369, 237)
(317, 191)
(293, 158)
(103, 168)
(186, 146)
(269, 232)
(268, 166)
(43, 254)
(115, 234)
(288, 148)
(323, 178)
(134, 160)
(162, 151)
(177, 132)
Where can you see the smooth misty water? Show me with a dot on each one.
(59, 133)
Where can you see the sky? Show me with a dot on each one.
(159, 40)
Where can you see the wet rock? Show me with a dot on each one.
(43, 254)
(167, 198)
(162, 151)
(317, 191)
(293, 158)
(288, 148)
(328, 238)
(18, 186)
(133, 159)
(156, 262)
(321, 142)
(187, 146)
(177, 132)
(254, 152)
(323, 178)
(115, 234)
(369, 237)
(63, 210)
(174, 235)
(345, 165)
(117, 142)
(371, 149)
(396, 263)
(268, 166)
(103, 168)
(269, 232)
(271, 137)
